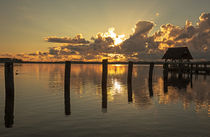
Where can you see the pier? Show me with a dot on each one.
(189, 67)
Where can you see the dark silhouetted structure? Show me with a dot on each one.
(165, 77)
(129, 81)
(67, 88)
(9, 95)
(177, 54)
(104, 84)
(151, 67)
(4, 60)
(177, 81)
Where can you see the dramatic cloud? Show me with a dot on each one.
(76, 40)
(196, 38)
(137, 42)
(141, 45)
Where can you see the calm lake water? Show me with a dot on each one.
(180, 109)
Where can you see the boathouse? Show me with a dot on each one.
(179, 54)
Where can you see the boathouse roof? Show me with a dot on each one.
(177, 53)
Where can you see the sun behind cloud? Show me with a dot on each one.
(118, 39)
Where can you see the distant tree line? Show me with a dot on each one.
(3, 60)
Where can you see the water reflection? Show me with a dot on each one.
(9, 111)
(179, 81)
(150, 79)
(130, 93)
(169, 88)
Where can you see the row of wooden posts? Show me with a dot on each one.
(9, 88)
(104, 83)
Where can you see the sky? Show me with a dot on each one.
(80, 29)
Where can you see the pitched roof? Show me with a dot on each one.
(177, 53)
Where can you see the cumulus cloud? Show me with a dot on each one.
(196, 38)
(137, 42)
(141, 45)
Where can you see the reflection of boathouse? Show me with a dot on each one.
(177, 61)
(176, 81)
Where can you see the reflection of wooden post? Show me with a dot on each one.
(9, 95)
(67, 88)
(104, 85)
(129, 81)
(165, 77)
(150, 79)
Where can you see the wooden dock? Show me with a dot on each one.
(191, 67)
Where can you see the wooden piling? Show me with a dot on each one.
(191, 68)
(104, 72)
(181, 70)
(67, 88)
(151, 67)
(196, 68)
(165, 77)
(130, 71)
(129, 81)
(104, 85)
(9, 94)
(191, 75)
(205, 69)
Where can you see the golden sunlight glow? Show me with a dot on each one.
(118, 39)
(116, 87)
(164, 46)
(165, 36)
(157, 14)
(116, 70)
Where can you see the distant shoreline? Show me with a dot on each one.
(95, 62)
(91, 62)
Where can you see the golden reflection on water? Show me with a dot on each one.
(84, 77)
(116, 69)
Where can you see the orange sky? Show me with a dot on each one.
(25, 25)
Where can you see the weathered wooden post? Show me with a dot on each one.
(188, 67)
(151, 67)
(191, 75)
(191, 68)
(104, 85)
(205, 69)
(67, 88)
(165, 77)
(196, 69)
(129, 81)
(181, 69)
(9, 94)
